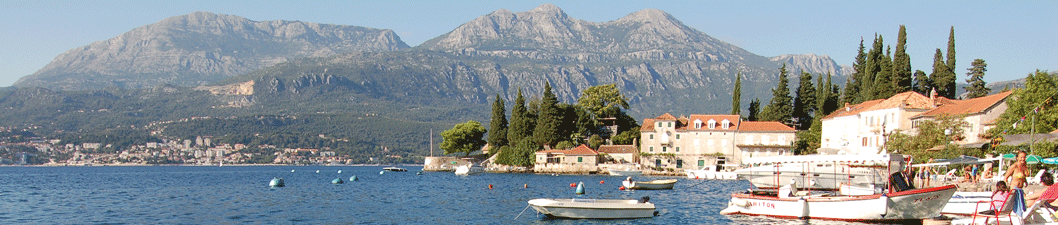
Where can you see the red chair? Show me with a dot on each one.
(1004, 209)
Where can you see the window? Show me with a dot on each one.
(677, 149)
(865, 141)
(664, 149)
(712, 124)
(652, 147)
(670, 124)
(697, 124)
(679, 163)
(651, 136)
(677, 136)
(701, 163)
(580, 159)
(726, 122)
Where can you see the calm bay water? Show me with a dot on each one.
(240, 194)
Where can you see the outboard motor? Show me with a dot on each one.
(644, 199)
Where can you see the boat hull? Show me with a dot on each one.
(965, 203)
(650, 185)
(467, 170)
(896, 207)
(767, 178)
(625, 173)
(592, 208)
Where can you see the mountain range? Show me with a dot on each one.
(206, 64)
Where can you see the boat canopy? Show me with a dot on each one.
(957, 162)
(849, 159)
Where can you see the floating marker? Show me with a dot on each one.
(339, 171)
(621, 188)
(337, 181)
(317, 171)
(572, 184)
(381, 172)
(580, 188)
(353, 178)
(276, 182)
(526, 185)
(490, 186)
(602, 182)
(291, 171)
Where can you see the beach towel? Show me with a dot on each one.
(1019, 202)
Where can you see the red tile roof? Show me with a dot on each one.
(617, 149)
(648, 125)
(765, 126)
(910, 99)
(969, 106)
(666, 116)
(733, 119)
(579, 150)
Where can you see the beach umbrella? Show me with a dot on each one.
(1050, 160)
(1009, 156)
(1033, 159)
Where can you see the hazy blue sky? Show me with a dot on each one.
(1014, 37)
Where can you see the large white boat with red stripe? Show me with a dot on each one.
(892, 201)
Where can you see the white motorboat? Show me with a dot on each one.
(898, 207)
(820, 171)
(468, 170)
(648, 185)
(710, 172)
(625, 172)
(593, 208)
(395, 169)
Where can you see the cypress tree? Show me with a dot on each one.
(521, 125)
(736, 95)
(805, 102)
(549, 119)
(902, 64)
(854, 84)
(940, 76)
(883, 83)
(754, 110)
(951, 54)
(830, 98)
(977, 83)
(871, 88)
(498, 125)
(922, 83)
(781, 107)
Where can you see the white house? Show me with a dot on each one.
(700, 140)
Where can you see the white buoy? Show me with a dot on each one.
(381, 172)
(291, 171)
(317, 171)
(339, 171)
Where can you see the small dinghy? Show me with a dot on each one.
(594, 208)
(395, 169)
(649, 185)
(276, 182)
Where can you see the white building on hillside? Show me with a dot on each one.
(700, 140)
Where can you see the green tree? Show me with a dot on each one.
(595, 141)
(922, 83)
(522, 153)
(521, 125)
(549, 119)
(833, 98)
(854, 84)
(498, 125)
(603, 100)
(942, 130)
(804, 104)
(884, 83)
(464, 137)
(736, 95)
(781, 106)
(754, 110)
(808, 141)
(940, 78)
(977, 83)
(951, 57)
(627, 137)
(902, 63)
(1037, 100)
(875, 83)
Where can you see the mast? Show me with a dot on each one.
(431, 142)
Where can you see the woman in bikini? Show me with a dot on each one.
(1018, 171)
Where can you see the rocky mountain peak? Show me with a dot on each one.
(647, 16)
(548, 9)
(795, 63)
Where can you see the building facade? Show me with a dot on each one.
(700, 140)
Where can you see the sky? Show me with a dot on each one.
(1014, 38)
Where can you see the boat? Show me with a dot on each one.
(964, 203)
(648, 185)
(468, 170)
(625, 172)
(710, 172)
(276, 182)
(898, 202)
(823, 172)
(395, 169)
(594, 208)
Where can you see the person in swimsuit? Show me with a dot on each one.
(1018, 171)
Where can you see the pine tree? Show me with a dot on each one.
(872, 88)
(977, 83)
(922, 83)
(754, 110)
(498, 125)
(781, 107)
(853, 84)
(805, 102)
(902, 64)
(736, 95)
(884, 84)
(831, 97)
(549, 119)
(521, 125)
(940, 76)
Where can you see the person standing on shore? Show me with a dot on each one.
(1016, 177)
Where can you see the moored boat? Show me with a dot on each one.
(395, 169)
(468, 170)
(594, 208)
(819, 171)
(897, 207)
(648, 185)
(625, 172)
(710, 172)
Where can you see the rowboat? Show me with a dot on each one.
(648, 185)
(594, 208)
